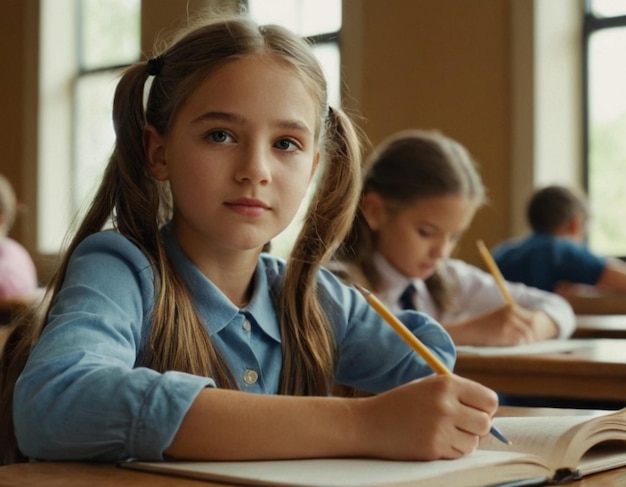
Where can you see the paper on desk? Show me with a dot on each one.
(546, 346)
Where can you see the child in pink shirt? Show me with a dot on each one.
(18, 276)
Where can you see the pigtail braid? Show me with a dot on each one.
(308, 342)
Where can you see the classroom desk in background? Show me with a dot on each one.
(600, 326)
(74, 474)
(595, 372)
(599, 304)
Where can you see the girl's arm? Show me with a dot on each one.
(613, 277)
(545, 314)
(435, 417)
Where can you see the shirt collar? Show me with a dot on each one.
(393, 282)
(211, 301)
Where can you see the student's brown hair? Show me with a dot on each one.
(552, 206)
(406, 167)
(139, 205)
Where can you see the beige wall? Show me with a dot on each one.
(18, 105)
(441, 64)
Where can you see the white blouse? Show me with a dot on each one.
(476, 292)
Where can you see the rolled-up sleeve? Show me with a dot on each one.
(81, 395)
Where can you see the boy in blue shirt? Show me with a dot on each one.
(554, 257)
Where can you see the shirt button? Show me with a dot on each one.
(246, 325)
(250, 376)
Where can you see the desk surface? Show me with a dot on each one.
(596, 372)
(57, 474)
(598, 303)
(600, 326)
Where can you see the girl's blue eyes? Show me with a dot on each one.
(223, 137)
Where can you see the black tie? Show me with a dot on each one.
(407, 299)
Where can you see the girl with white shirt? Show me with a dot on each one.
(420, 193)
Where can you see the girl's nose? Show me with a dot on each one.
(437, 251)
(254, 166)
(441, 248)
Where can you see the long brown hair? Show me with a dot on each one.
(138, 206)
(406, 167)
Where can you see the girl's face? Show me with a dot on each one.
(416, 237)
(239, 156)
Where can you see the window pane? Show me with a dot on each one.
(110, 32)
(608, 8)
(306, 17)
(328, 56)
(94, 136)
(607, 143)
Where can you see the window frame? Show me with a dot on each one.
(591, 25)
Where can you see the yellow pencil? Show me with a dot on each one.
(404, 332)
(495, 272)
(415, 344)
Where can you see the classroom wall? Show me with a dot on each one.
(440, 64)
(18, 50)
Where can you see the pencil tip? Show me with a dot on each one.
(361, 289)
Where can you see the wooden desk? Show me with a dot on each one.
(597, 304)
(600, 326)
(94, 475)
(57, 474)
(597, 372)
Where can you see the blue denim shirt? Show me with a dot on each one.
(83, 396)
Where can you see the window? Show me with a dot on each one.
(605, 124)
(109, 33)
(320, 22)
(84, 46)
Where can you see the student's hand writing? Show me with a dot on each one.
(543, 325)
(437, 417)
(504, 326)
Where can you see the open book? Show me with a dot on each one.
(545, 449)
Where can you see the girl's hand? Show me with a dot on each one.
(542, 324)
(507, 325)
(437, 417)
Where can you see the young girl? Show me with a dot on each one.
(420, 193)
(18, 275)
(173, 335)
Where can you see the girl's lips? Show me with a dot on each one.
(248, 206)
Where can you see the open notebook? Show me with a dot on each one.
(545, 448)
(545, 346)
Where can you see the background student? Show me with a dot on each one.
(18, 275)
(420, 192)
(554, 256)
(174, 335)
